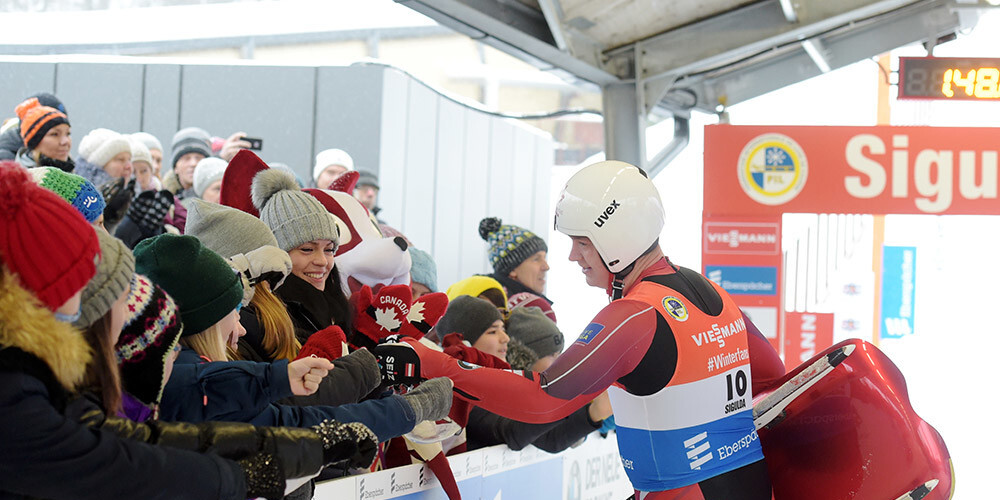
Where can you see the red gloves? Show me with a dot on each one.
(329, 343)
(392, 310)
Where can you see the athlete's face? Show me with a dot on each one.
(584, 253)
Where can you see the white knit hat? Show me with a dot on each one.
(149, 140)
(207, 171)
(101, 145)
(329, 157)
(139, 151)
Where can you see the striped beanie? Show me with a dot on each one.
(78, 191)
(190, 140)
(152, 328)
(509, 245)
(37, 120)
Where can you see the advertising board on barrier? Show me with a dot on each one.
(806, 333)
(898, 291)
(758, 170)
(591, 471)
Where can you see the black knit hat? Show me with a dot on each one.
(509, 245)
(151, 330)
(469, 316)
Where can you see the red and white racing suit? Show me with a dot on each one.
(674, 351)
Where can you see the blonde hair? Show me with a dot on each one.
(279, 333)
(209, 343)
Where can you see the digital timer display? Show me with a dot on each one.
(949, 78)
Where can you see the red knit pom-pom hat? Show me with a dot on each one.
(43, 239)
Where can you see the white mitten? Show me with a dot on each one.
(267, 263)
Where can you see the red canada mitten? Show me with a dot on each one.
(376, 316)
(329, 343)
(424, 314)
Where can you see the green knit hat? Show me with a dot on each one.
(509, 245)
(114, 274)
(205, 288)
(78, 191)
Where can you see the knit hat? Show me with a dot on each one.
(509, 245)
(329, 157)
(534, 329)
(149, 140)
(226, 230)
(423, 270)
(469, 316)
(140, 152)
(294, 217)
(205, 287)
(151, 330)
(47, 99)
(36, 222)
(367, 178)
(475, 286)
(190, 140)
(528, 299)
(101, 145)
(78, 191)
(285, 167)
(208, 170)
(37, 120)
(114, 273)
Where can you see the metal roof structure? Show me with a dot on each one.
(675, 56)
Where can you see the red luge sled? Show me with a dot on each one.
(854, 435)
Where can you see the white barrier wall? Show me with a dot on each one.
(591, 471)
(442, 166)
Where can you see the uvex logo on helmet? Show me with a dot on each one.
(608, 212)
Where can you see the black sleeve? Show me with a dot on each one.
(251, 345)
(45, 454)
(488, 429)
(299, 451)
(353, 377)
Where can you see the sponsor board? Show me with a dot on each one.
(747, 238)
(764, 318)
(806, 334)
(899, 267)
(762, 170)
(745, 280)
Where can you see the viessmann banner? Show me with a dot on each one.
(765, 170)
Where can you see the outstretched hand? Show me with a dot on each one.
(304, 375)
(399, 363)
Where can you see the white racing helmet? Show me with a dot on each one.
(617, 207)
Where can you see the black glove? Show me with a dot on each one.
(263, 476)
(353, 442)
(117, 195)
(149, 210)
(399, 363)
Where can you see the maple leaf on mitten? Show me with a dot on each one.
(377, 316)
(329, 343)
(424, 314)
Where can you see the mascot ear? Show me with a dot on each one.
(346, 182)
(237, 180)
